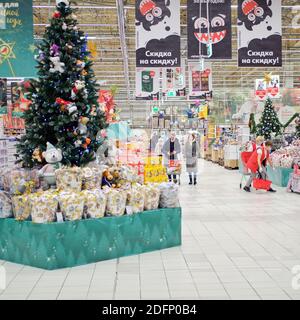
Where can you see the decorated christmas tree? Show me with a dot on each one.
(269, 123)
(64, 109)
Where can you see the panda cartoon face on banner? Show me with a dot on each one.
(152, 12)
(252, 13)
(214, 28)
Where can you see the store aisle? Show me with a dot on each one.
(235, 246)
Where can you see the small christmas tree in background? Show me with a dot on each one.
(269, 122)
(64, 109)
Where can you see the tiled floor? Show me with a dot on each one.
(235, 246)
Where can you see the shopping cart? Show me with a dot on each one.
(174, 168)
(244, 157)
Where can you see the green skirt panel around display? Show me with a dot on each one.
(61, 245)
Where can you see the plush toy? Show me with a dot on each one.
(54, 50)
(80, 64)
(107, 178)
(37, 155)
(72, 109)
(53, 157)
(78, 86)
(58, 66)
(66, 2)
(117, 177)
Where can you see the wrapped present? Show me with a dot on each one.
(152, 194)
(92, 178)
(168, 195)
(94, 203)
(69, 179)
(116, 202)
(20, 181)
(71, 205)
(136, 198)
(5, 205)
(44, 206)
(21, 207)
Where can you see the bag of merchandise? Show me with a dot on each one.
(94, 203)
(152, 194)
(136, 199)
(168, 195)
(71, 205)
(5, 205)
(44, 206)
(69, 179)
(21, 207)
(92, 178)
(20, 181)
(116, 202)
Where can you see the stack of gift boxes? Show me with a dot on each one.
(79, 194)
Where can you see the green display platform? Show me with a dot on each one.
(279, 176)
(60, 245)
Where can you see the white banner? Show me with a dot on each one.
(200, 81)
(147, 83)
(173, 82)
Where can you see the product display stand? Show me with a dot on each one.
(68, 244)
(279, 176)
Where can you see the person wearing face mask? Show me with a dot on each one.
(171, 150)
(257, 162)
(191, 155)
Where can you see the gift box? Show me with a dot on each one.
(20, 181)
(5, 205)
(116, 202)
(21, 207)
(136, 199)
(152, 194)
(71, 205)
(94, 203)
(44, 206)
(69, 179)
(92, 178)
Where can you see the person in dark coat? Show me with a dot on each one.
(171, 150)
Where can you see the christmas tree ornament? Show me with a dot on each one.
(84, 73)
(87, 141)
(54, 50)
(77, 143)
(57, 65)
(74, 17)
(78, 86)
(64, 26)
(56, 15)
(80, 64)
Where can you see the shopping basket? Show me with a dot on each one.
(244, 157)
(261, 184)
(174, 168)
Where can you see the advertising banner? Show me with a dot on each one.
(200, 81)
(157, 33)
(16, 39)
(147, 83)
(214, 28)
(264, 89)
(259, 33)
(173, 82)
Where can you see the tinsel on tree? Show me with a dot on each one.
(64, 109)
(269, 123)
